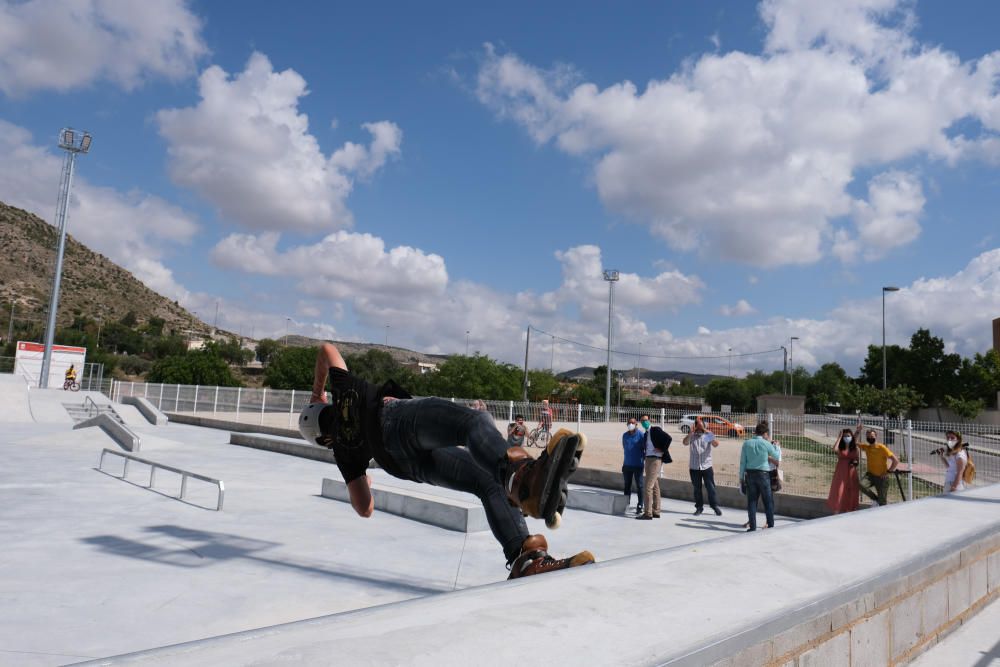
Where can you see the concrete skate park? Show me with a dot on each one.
(107, 570)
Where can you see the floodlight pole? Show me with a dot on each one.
(612, 277)
(67, 142)
(791, 363)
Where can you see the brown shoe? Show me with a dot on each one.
(538, 487)
(535, 559)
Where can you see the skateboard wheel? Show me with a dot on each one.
(554, 522)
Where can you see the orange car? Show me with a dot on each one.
(714, 423)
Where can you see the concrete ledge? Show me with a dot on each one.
(229, 425)
(450, 513)
(147, 409)
(282, 445)
(799, 507)
(870, 587)
(600, 501)
(120, 433)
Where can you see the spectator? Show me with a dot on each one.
(773, 474)
(844, 486)
(645, 423)
(755, 472)
(956, 458)
(479, 404)
(634, 444)
(516, 432)
(881, 462)
(701, 442)
(546, 415)
(657, 444)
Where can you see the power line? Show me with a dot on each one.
(656, 356)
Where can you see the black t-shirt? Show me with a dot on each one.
(353, 420)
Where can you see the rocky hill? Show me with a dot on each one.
(92, 285)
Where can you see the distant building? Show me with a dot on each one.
(421, 367)
(996, 334)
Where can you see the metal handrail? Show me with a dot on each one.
(153, 465)
(87, 402)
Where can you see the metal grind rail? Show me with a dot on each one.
(153, 466)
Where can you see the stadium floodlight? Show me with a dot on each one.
(610, 275)
(67, 142)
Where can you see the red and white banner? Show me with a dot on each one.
(28, 361)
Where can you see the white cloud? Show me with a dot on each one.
(69, 45)
(133, 229)
(752, 155)
(246, 148)
(741, 308)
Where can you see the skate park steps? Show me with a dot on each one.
(868, 587)
(428, 504)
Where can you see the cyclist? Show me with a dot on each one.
(70, 376)
(546, 417)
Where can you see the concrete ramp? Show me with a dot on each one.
(14, 405)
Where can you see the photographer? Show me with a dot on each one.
(844, 488)
(955, 458)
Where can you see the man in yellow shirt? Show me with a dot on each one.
(881, 462)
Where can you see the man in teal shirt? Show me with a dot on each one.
(755, 472)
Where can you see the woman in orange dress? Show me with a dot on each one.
(844, 488)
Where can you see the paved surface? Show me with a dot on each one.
(93, 566)
(976, 643)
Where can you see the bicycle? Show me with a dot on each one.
(539, 437)
(71, 385)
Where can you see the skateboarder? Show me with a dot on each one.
(420, 440)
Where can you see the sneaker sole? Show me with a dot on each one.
(566, 456)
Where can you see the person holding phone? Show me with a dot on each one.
(700, 442)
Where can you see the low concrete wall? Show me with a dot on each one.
(128, 440)
(865, 588)
(227, 425)
(799, 507)
(147, 409)
(282, 445)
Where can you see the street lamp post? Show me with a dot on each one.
(638, 365)
(885, 375)
(730, 362)
(287, 320)
(552, 359)
(387, 335)
(610, 275)
(784, 375)
(791, 362)
(68, 142)
(467, 343)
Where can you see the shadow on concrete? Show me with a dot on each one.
(718, 526)
(968, 499)
(198, 548)
(990, 658)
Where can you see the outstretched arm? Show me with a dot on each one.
(361, 496)
(327, 358)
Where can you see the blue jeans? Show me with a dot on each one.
(759, 486)
(633, 473)
(424, 436)
(708, 477)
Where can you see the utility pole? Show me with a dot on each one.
(784, 374)
(527, 343)
(10, 327)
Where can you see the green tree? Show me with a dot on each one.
(129, 320)
(167, 346)
(861, 397)
(266, 348)
(929, 370)
(543, 385)
(658, 390)
(291, 368)
(475, 377)
(231, 350)
(979, 378)
(966, 408)
(377, 366)
(686, 387)
(728, 391)
(154, 327)
(204, 367)
(898, 400)
(897, 360)
(827, 387)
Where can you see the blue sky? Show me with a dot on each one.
(756, 172)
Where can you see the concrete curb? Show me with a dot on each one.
(147, 409)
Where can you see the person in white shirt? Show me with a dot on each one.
(956, 458)
(700, 443)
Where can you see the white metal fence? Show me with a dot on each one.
(807, 440)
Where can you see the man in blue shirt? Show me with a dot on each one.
(634, 444)
(755, 473)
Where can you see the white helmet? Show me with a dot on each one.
(310, 425)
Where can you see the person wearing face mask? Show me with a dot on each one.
(956, 458)
(645, 423)
(700, 442)
(881, 462)
(844, 487)
(634, 445)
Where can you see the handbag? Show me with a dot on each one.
(777, 477)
